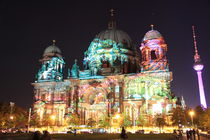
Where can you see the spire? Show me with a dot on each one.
(196, 56)
(75, 70)
(53, 42)
(112, 20)
(183, 102)
(75, 61)
(152, 26)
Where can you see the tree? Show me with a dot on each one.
(206, 119)
(91, 122)
(15, 117)
(35, 120)
(21, 120)
(73, 119)
(141, 121)
(127, 121)
(179, 116)
(105, 122)
(46, 121)
(160, 121)
(198, 118)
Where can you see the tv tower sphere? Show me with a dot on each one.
(198, 66)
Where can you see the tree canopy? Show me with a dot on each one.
(12, 116)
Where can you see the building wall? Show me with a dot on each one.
(131, 94)
(110, 82)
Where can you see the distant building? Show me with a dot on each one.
(114, 80)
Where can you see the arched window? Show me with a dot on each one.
(153, 55)
(144, 56)
(105, 64)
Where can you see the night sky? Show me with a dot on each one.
(27, 28)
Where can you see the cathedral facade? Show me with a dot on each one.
(117, 78)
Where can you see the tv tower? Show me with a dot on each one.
(198, 67)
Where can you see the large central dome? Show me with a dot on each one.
(116, 35)
(111, 50)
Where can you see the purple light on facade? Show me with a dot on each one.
(201, 90)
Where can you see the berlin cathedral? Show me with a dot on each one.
(117, 77)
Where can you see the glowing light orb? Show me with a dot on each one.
(198, 67)
(117, 116)
(192, 113)
(157, 108)
(52, 117)
(11, 117)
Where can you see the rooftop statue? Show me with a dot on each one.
(75, 70)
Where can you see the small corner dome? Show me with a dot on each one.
(152, 34)
(52, 49)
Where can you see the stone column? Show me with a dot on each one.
(147, 96)
(121, 96)
(84, 115)
(76, 98)
(113, 97)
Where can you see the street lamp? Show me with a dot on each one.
(192, 113)
(53, 117)
(11, 117)
(117, 116)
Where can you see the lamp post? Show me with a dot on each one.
(192, 113)
(29, 119)
(11, 121)
(11, 113)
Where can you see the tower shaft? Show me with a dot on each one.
(201, 90)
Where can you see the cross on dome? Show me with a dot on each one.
(53, 42)
(112, 12)
(152, 27)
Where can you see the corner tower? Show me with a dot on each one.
(153, 50)
(50, 98)
(155, 73)
(52, 65)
